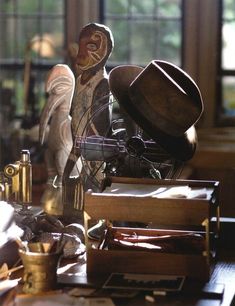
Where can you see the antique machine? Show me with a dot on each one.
(18, 189)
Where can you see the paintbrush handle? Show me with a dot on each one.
(5, 273)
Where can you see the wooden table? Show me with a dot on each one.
(223, 273)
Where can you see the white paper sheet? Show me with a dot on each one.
(164, 191)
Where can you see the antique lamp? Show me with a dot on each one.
(43, 46)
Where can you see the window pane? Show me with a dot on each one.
(144, 30)
(34, 31)
(143, 7)
(6, 6)
(120, 53)
(228, 50)
(141, 51)
(53, 33)
(228, 30)
(227, 58)
(52, 6)
(28, 7)
(228, 84)
(12, 82)
(169, 41)
(7, 37)
(26, 29)
(228, 9)
(169, 8)
(116, 7)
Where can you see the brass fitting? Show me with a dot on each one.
(20, 174)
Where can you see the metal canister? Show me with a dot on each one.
(25, 180)
(40, 271)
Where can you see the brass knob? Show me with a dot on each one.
(11, 170)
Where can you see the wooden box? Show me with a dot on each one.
(171, 214)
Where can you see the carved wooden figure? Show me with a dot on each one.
(60, 87)
(91, 90)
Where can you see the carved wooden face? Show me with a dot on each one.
(92, 49)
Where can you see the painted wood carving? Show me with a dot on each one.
(60, 86)
(91, 90)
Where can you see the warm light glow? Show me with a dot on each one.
(43, 45)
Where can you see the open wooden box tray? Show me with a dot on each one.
(169, 212)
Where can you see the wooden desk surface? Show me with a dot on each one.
(223, 273)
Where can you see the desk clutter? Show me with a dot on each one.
(175, 242)
(154, 233)
(177, 238)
